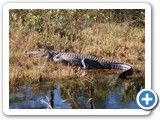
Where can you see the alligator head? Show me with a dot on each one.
(41, 52)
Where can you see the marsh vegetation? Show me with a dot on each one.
(114, 35)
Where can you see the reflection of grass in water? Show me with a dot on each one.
(99, 89)
(130, 90)
(93, 92)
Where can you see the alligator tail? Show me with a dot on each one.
(124, 74)
(128, 70)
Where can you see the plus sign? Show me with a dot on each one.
(147, 99)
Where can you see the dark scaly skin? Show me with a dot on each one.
(84, 61)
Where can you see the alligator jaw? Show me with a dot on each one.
(31, 52)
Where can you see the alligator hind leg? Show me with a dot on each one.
(91, 64)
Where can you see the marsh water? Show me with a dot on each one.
(103, 92)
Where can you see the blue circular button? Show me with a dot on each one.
(147, 99)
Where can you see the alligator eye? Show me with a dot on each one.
(57, 57)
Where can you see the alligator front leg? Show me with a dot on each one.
(91, 64)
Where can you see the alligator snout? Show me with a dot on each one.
(40, 52)
(27, 53)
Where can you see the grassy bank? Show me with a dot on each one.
(110, 40)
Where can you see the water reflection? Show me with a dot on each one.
(96, 92)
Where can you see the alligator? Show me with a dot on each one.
(84, 61)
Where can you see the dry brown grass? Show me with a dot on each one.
(110, 41)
